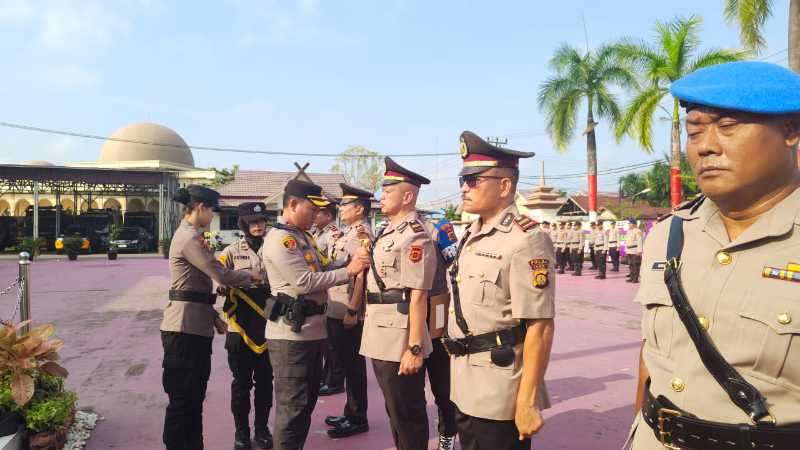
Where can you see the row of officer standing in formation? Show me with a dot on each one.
(412, 298)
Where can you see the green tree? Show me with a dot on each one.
(673, 54)
(656, 179)
(360, 166)
(224, 176)
(451, 212)
(752, 15)
(580, 77)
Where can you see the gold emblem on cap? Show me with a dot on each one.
(724, 258)
(462, 147)
(784, 318)
(677, 384)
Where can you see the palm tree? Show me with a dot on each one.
(669, 57)
(578, 77)
(751, 15)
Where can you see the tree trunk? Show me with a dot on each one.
(794, 35)
(676, 195)
(591, 160)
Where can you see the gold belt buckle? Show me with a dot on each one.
(665, 414)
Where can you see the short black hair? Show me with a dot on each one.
(288, 198)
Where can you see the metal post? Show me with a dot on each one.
(36, 210)
(25, 289)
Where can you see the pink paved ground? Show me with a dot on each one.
(108, 313)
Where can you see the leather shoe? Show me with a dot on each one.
(264, 439)
(327, 390)
(333, 421)
(347, 428)
(241, 442)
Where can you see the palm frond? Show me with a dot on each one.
(686, 40)
(633, 121)
(553, 89)
(716, 56)
(751, 16)
(607, 106)
(564, 57)
(562, 118)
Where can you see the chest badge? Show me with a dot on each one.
(790, 273)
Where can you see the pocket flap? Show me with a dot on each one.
(654, 293)
(780, 314)
(490, 274)
(390, 320)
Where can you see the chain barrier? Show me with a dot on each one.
(18, 283)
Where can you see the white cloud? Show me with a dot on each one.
(79, 24)
(16, 10)
(71, 76)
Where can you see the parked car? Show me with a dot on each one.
(84, 233)
(132, 239)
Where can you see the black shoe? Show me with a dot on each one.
(597, 277)
(264, 439)
(629, 280)
(347, 428)
(333, 421)
(327, 390)
(242, 441)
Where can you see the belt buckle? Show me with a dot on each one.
(457, 349)
(664, 415)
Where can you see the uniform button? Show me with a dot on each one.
(483, 274)
(784, 318)
(467, 249)
(390, 323)
(678, 385)
(458, 278)
(452, 310)
(724, 258)
(704, 322)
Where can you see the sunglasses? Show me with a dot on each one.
(474, 180)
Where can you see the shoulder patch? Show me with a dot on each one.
(289, 242)
(402, 227)
(415, 253)
(525, 222)
(507, 219)
(416, 226)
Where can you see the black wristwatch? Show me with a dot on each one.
(415, 349)
(352, 312)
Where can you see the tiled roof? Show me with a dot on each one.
(257, 184)
(604, 201)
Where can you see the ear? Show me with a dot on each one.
(506, 187)
(791, 132)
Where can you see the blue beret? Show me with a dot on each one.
(752, 86)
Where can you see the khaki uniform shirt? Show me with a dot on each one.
(192, 267)
(325, 237)
(563, 236)
(295, 268)
(577, 240)
(406, 258)
(633, 242)
(612, 237)
(752, 310)
(340, 253)
(238, 256)
(599, 240)
(496, 285)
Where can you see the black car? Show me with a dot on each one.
(91, 241)
(132, 239)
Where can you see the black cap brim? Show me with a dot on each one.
(473, 170)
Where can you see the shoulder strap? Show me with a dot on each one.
(378, 279)
(742, 393)
(460, 321)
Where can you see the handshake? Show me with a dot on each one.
(359, 262)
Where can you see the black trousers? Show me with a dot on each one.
(346, 344)
(249, 369)
(476, 433)
(570, 258)
(560, 260)
(405, 405)
(298, 368)
(635, 262)
(600, 256)
(438, 367)
(332, 370)
(614, 252)
(593, 256)
(187, 366)
(577, 261)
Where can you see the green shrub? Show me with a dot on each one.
(49, 413)
(30, 245)
(73, 244)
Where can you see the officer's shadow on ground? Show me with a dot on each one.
(563, 389)
(583, 429)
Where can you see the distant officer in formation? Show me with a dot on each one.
(720, 365)
(346, 313)
(592, 229)
(500, 329)
(600, 246)
(560, 244)
(296, 332)
(577, 244)
(396, 336)
(633, 248)
(246, 343)
(190, 319)
(612, 238)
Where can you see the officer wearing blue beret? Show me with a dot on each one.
(720, 360)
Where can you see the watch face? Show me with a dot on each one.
(415, 350)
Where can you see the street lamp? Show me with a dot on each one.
(642, 192)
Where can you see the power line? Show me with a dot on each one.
(774, 54)
(204, 148)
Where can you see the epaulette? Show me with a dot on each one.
(402, 227)
(416, 226)
(525, 222)
(507, 219)
(691, 205)
(332, 227)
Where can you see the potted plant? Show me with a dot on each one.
(165, 243)
(72, 246)
(30, 245)
(31, 381)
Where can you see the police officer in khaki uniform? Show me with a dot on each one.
(396, 336)
(246, 344)
(600, 246)
(612, 238)
(730, 259)
(633, 248)
(501, 325)
(560, 246)
(345, 314)
(592, 256)
(577, 243)
(189, 318)
(568, 246)
(296, 330)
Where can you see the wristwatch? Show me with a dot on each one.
(352, 312)
(415, 349)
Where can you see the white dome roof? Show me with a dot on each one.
(38, 162)
(146, 137)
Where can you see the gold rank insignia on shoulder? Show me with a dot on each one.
(507, 219)
(416, 226)
(402, 227)
(541, 272)
(791, 273)
(525, 222)
(290, 243)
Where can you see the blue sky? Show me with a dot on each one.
(316, 76)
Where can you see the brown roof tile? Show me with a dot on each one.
(258, 184)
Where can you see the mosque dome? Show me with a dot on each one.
(145, 142)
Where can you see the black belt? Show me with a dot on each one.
(485, 342)
(310, 307)
(677, 429)
(192, 296)
(389, 297)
